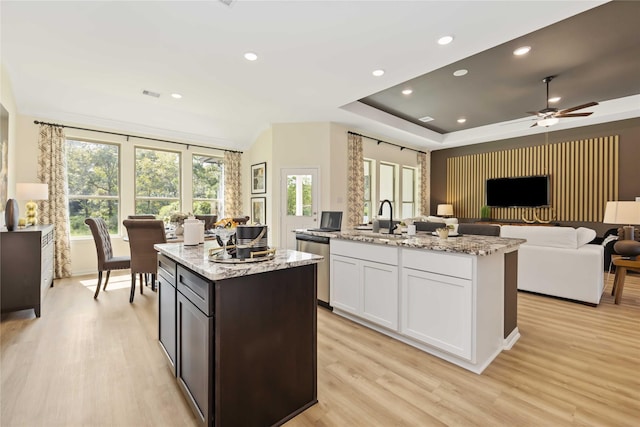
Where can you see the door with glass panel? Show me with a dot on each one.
(299, 207)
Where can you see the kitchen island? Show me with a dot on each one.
(240, 338)
(454, 298)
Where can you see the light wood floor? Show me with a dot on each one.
(97, 363)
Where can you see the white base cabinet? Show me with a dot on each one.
(366, 286)
(437, 311)
(447, 304)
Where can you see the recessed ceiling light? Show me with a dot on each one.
(407, 92)
(445, 40)
(522, 50)
(176, 95)
(462, 120)
(461, 72)
(555, 99)
(378, 73)
(250, 56)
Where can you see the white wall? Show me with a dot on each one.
(8, 102)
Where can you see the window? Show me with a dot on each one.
(408, 192)
(368, 165)
(208, 185)
(157, 182)
(388, 183)
(389, 187)
(299, 201)
(93, 171)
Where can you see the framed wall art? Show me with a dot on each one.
(259, 210)
(259, 178)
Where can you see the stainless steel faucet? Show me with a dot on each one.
(390, 214)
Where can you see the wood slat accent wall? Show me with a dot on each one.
(583, 177)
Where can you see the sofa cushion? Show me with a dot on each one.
(585, 235)
(555, 237)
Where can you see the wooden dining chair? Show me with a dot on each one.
(141, 217)
(143, 234)
(106, 260)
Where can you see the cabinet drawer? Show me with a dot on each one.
(167, 269)
(448, 264)
(196, 289)
(365, 251)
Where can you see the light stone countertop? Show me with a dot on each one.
(196, 258)
(470, 244)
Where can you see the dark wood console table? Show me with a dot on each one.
(26, 261)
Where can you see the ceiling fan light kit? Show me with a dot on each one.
(549, 116)
(548, 121)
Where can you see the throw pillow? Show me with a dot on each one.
(609, 239)
(585, 235)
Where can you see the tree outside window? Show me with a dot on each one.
(299, 202)
(93, 171)
(157, 182)
(208, 185)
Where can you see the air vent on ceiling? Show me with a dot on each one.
(425, 119)
(149, 93)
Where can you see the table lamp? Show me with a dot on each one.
(32, 191)
(624, 212)
(445, 210)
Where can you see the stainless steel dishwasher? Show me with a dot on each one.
(318, 245)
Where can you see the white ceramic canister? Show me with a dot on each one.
(191, 232)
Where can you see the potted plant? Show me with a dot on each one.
(485, 212)
(177, 219)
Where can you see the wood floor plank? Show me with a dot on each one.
(89, 362)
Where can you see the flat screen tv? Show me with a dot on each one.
(526, 191)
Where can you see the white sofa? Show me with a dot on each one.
(558, 261)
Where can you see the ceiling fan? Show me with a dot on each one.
(550, 116)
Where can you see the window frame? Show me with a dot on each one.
(218, 202)
(117, 198)
(178, 198)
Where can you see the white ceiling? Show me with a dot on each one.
(87, 63)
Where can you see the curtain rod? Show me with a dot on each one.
(385, 142)
(133, 136)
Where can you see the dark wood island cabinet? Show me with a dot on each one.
(26, 264)
(241, 339)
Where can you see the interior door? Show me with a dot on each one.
(299, 189)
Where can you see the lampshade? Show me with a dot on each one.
(549, 121)
(622, 213)
(445, 210)
(32, 191)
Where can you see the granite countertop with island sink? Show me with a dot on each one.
(467, 244)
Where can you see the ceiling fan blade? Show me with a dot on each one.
(574, 115)
(579, 107)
